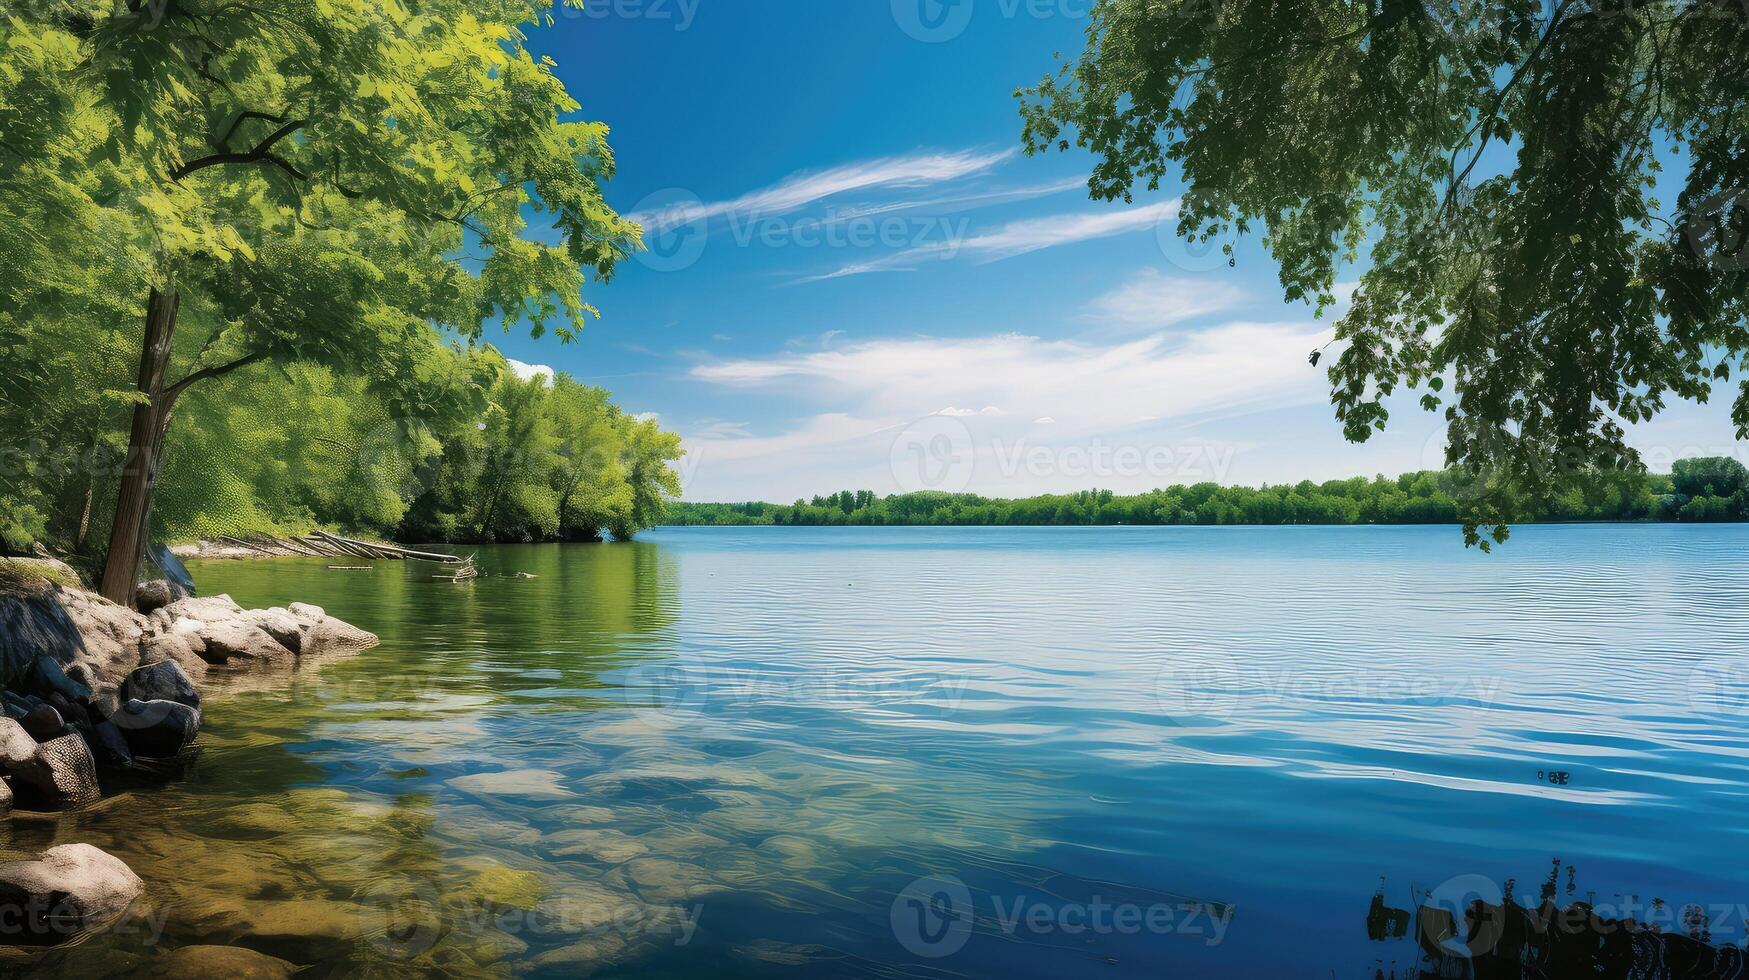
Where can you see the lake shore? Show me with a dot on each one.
(100, 700)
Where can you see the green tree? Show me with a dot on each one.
(1495, 163)
(1717, 476)
(333, 179)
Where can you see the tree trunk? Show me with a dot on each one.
(133, 505)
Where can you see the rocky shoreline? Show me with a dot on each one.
(97, 698)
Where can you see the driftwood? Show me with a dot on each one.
(466, 573)
(321, 544)
(239, 542)
(365, 549)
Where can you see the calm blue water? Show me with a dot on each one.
(1116, 752)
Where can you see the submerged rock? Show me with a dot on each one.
(109, 747)
(161, 681)
(157, 729)
(231, 962)
(68, 891)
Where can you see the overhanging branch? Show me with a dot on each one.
(262, 153)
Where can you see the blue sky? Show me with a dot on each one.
(857, 281)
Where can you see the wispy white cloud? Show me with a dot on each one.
(1053, 393)
(802, 189)
(961, 202)
(1016, 238)
(1151, 300)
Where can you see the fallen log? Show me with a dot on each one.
(239, 542)
(387, 552)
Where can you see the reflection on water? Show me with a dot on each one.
(936, 752)
(1472, 927)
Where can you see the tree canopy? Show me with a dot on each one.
(1496, 164)
(197, 190)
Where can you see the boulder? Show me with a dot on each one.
(112, 636)
(19, 754)
(161, 681)
(305, 611)
(109, 747)
(44, 723)
(207, 962)
(279, 624)
(65, 893)
(5, 796)
(157, 729)
(331, 635)
(57, 773)
(235, 639)
(184, 649)
(152, 596)
(205, 608)
(64, 775)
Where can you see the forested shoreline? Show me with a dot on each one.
(252, 262)
(1702, 489)
(495, 457)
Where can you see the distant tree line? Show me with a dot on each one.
(1708, 489)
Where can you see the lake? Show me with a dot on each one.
(1121, 752)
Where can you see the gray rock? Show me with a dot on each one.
(307, 612)
(152, 596)
(279, 624)
(161, 681)
(59, 773)
(157, 729)
(111, 635)
(5, 796)
(207, 609)
(235, 639)
(183, 648)
(19, 754)
(335, 636)
(67, 892)
(232, 962)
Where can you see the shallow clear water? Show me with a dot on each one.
(958, 752)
